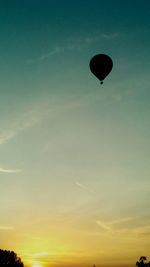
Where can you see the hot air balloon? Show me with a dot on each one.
(101, 65)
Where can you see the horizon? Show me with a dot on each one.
(74, 154)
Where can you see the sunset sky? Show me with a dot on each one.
(74, 154)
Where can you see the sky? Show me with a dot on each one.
(74, 154)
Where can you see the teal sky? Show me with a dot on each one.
(74, 155)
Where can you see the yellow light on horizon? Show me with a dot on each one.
(36, 265)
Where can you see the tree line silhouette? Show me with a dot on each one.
(10, 259)
(142, 262)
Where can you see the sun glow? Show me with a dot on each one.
(36, 265)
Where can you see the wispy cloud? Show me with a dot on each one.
(54, 51)
(109, 225)
(121, 220)
(24, 121)
(33, 116)
(74, 45)
(3, 170)
(84, 187)
(103, 225)
(6, 135)
(51, 108)
(110, 35)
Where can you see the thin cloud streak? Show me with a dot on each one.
(2, 170)
(34, 115)
(125, 231)
(30, 118)
(110, 36)
(25, 121)
(103, 225)
(54, 51)
(108, 226)
(74, 45)
(121, 220)
(84, 187)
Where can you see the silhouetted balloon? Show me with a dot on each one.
(101, 65)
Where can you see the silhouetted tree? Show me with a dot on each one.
(10, 259)
(142, 263)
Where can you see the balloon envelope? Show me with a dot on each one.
(101, 65)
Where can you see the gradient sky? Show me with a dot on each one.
(74, 155)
